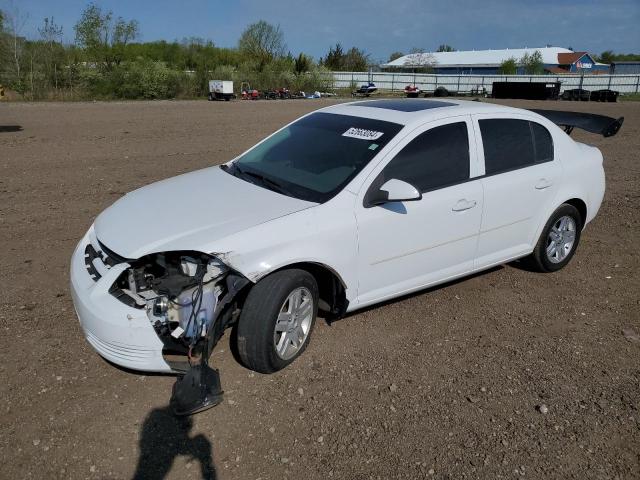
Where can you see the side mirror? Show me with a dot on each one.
(393, 190)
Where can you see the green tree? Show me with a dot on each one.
(508, 67)
(262, 43)
(445, 48)
(50, 32)
(302, 64)
(51, 51)
(335, 58)
(107, 62)
(103, 38)
(626, 57)
(356, 60)
(606, 57)
(14, 46)
(2, 44)
(353, 60)
(395, 56)
(532, 63)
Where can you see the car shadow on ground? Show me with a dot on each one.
(522, 264)
(10, 128)
(416, 294)
(233, 342)
(164, 437)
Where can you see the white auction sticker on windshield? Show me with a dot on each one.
(362, 134)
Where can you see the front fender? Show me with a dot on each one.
(325, 235)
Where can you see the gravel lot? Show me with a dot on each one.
(447, 383)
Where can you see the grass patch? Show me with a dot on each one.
(630, 97)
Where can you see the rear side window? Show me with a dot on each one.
(510, 144)
(542, 143)
(436, 158)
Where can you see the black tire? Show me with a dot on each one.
(539, 260)
(257, 322)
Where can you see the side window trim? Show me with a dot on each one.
(475, 165)
(533, 139)
(425, 132)
(420, 135)
(475, 121)
(509, 144)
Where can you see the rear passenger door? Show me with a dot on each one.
(520, 183)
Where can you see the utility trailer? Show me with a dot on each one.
(526, 90)
(221, 90)
(577, 94)
(605, 95)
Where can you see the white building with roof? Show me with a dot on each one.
(556, 60)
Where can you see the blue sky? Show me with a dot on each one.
(377, 26)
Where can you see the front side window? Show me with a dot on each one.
(315, 157)
(434, 159)
(511, 143)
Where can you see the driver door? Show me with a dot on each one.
(405, 246)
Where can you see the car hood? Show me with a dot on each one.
(187, 212)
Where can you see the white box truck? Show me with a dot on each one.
(221, 90)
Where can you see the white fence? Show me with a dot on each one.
(467, 83)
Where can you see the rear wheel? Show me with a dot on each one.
(277, 319)
(559, 239)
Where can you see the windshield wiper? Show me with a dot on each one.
(265, 181)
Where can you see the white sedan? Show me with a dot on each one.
(346, 207)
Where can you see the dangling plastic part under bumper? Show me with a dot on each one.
(196, 391)
(199, 388)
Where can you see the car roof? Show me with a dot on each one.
(415, 110)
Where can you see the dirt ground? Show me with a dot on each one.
(446, 383)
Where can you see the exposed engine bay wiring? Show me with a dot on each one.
(189, 298)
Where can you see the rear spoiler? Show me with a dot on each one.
(590, 122)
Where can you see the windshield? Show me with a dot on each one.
(315, 157)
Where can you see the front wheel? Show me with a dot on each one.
(277, 319)
(559, 239)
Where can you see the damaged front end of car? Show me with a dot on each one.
(190, 298)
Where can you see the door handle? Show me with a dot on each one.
(463, 204)
(543, 183)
